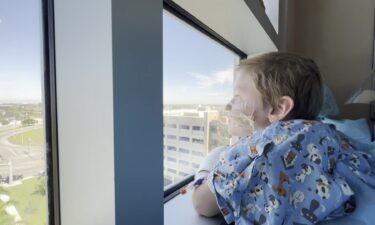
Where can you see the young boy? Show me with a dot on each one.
(286, 167)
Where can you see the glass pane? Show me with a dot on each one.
(23, 197)
(198, 82)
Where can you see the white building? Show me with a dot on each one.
(186, 141)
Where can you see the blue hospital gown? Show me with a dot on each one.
(286, 174)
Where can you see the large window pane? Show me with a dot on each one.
(197, 83)
(23, 197)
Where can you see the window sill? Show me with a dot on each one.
(179, 210)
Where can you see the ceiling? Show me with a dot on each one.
(234, 21)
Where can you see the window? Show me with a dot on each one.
(184, 150)
(171, 159)
(197, 83)
(199, 141)
(171, 148)
(184, 127)
(172, 137)
(172, 126)
(183, 174)
(23, 174)
(172, 170)
(198, 153)
(196, 166)
(184, 139)
(197, 128)
(183, 162)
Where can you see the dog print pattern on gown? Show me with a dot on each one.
(286, 174)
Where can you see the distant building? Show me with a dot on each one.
(187, 140)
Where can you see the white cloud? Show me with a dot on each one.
(218, 78)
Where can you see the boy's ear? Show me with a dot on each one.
(284, 107)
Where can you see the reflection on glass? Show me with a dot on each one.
(198, 82)
(23, 197)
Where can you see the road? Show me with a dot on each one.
(26, 160)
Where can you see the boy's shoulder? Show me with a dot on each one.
(289, 140)
(297, 143)
(297, 132)
(297, 126)
(302, 131)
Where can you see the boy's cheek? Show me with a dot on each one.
(235, 130)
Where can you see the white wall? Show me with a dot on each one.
(85, 111)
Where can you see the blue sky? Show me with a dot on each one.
(20, 50)
(197, 70)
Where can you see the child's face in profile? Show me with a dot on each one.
(247, 112)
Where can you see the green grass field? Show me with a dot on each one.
(35, 137)
(31, 206)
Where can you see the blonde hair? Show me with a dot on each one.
(280, 74)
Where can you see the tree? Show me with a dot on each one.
(4, 122)
(41, 188)
(29, 122)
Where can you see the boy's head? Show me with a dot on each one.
(276, 86)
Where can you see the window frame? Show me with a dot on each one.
(172, 191)
(50, 112)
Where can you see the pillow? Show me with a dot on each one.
(355, 129)
(329, 106)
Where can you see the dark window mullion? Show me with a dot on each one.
(50, 107)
